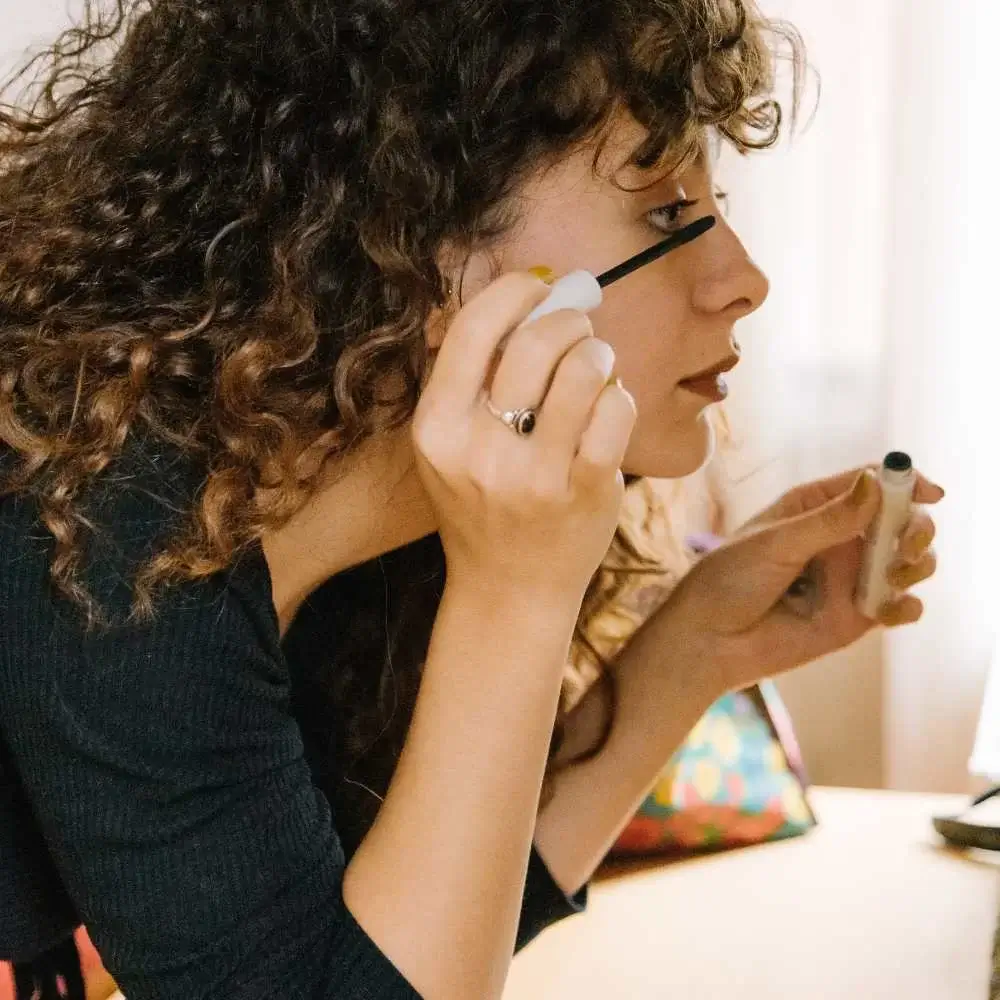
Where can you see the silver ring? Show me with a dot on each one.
(521, 422)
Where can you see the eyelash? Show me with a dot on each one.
(673, 211)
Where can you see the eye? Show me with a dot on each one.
(722, 199)
(666, 217)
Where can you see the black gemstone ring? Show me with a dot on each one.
(521, 422)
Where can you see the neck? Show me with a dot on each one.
(369, 503)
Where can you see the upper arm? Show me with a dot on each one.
(169, 781)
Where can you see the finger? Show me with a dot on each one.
(808, 496)
(926, 492)
(467, 351)
(903, 575)
(605, 439)
(580, 379)
(535, 352)
(796, 540)
(917, 537)
(904, 611)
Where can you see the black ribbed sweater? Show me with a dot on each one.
(155, 785)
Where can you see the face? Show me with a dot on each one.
(671, 322)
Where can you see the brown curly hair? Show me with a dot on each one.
(222, 235)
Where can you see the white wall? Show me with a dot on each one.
(808, 391)
(944, 331)
(879, 231)
(26, 25)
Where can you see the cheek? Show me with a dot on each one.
(647, 349)
(546, 243)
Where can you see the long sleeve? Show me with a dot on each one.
(403, 588)
(167, 777)
(544, 902)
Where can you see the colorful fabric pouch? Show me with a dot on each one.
(737, 780)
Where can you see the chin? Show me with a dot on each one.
(679, 451)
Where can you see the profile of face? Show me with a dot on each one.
(670, 321)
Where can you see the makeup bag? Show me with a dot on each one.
(735, 781)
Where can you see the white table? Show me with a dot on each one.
(868, 906)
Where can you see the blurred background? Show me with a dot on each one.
(880, 230)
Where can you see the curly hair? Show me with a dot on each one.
(221, 229)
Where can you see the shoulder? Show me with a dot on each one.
(134, 508)
(200, 692)
(200, 628)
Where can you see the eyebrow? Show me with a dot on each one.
(700, 160)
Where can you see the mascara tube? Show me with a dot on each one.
(576, 290)
(897, 478)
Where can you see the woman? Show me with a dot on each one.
(256, 271)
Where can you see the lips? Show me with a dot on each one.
(710, 382)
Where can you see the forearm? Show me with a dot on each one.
(438, 881)
(662, 691)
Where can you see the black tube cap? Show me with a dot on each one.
(897, 461)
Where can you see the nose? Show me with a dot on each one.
(731, 283)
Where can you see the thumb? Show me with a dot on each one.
(798, 539)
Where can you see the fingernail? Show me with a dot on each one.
(894, 613)
(940, 490)
(545, 274)
(915, 546)
(628, 396)
(898, 576)
(890, 613)
(606, 358)
(862, 490)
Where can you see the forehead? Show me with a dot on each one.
(624, 136)
(603, 165)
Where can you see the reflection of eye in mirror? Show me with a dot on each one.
(804, 597)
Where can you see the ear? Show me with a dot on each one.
(450, 266)
(437, 325)
(465, 275)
